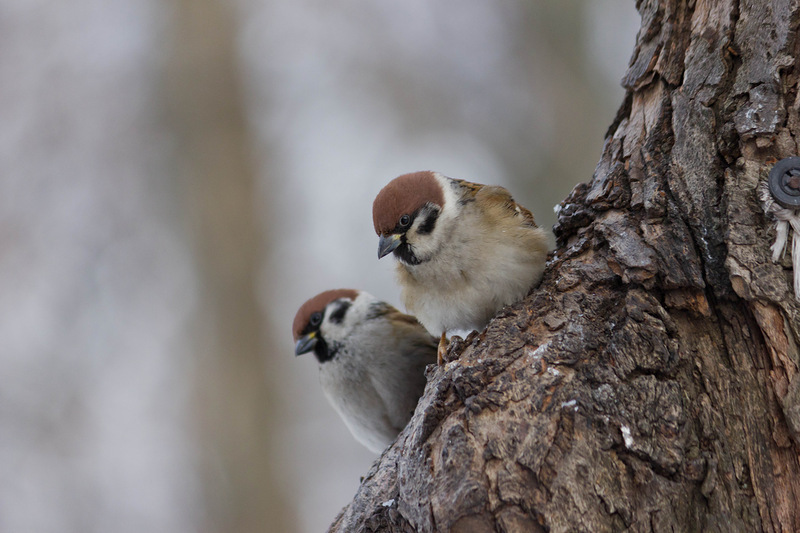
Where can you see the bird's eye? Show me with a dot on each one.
(405, 220)
(315, 319)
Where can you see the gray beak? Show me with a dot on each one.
(388, 244)
(306, 343)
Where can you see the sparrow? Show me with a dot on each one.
(464, 250)
(371, 358)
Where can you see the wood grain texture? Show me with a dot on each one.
(650, 383)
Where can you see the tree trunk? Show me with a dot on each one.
(650, 383)
(204, 106)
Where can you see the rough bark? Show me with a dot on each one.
(650, 383)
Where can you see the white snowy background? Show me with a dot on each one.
(100, 283)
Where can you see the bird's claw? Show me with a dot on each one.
(443, 345)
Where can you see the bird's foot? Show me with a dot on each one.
(443, 345)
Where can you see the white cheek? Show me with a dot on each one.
(424, 246)
(427, 246)
(353, 318)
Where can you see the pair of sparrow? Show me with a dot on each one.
(463, 251)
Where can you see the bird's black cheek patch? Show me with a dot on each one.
(428, 224)
(337, 317)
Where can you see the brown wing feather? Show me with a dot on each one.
(472, 188)
(494, 194)
(393, 313)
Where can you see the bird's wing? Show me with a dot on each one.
(391, 414)
(407, 381)
(499, 196)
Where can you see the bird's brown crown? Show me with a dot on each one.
(317, 304)
(402, 196)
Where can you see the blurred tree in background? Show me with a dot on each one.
(216, 178)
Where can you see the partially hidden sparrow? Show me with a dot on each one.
(371, 358)
(464, 250)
